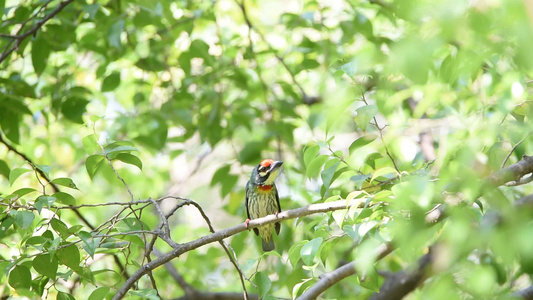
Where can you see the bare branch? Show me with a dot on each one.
(526, 293)
(401, 283)
(525, 201)
(514, 148)
(513, 172)
(220, 235)
(38, 24)
(329, 279)
(380, 129)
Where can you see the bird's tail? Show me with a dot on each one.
(268, 246)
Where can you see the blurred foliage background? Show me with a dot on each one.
(403, 104)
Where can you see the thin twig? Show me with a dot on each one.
(225, 233)
(225, 246)
(380, 129)
(34, 29)
(329, 279)
(514, 148)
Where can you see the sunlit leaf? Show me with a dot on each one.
(310, 249)
(65, 182)
(92, 163)
(263, 283)
(364, 115)
(16, 173)
(99, 293)
(130, 159)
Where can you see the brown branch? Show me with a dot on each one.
(38, 24)
(329, 279)
(401, 283)
(526, 293)
(380, 129)
(512, 172)
(225, 246)
(514, 148)
(225, 233)
(524, 201)
(193, 294)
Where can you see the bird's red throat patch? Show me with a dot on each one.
(266, 163)
(265, 188)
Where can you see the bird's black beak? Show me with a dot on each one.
(276, 165)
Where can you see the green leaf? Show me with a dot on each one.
(16, 173)
(310, 249)
(228, 183)
(92, 163)
(327, 246)
(4, 169)
(43, 201)
(60, 227)
(89, 143)
(131, 224)
(36, 241)
(9, 123)
(327, 174)
(350, 68)
(314, 167)
(130, 159)
(371, 280)
(46, 169)
(46, 265)
(263, 283)
(220, 174)
(73, 109)
(361, 142)
(6, 224)
(114, 32)
(89, 242)
(20, 278)
(251, 152)
(39, 53)
(111, 82)
(65, 198)
(69, 256)
(383, 171)
(149, 294)
(364, 115)
(23, 191)
(64, 296)
(23, 219)
(65, 182)
(310, 153)
(294, 252)
(118, 147)
(99, 293)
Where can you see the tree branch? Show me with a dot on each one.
(401, 283)
(512, 172)
(220, 235)
(526, 293)
(329, 279)
(39, 24)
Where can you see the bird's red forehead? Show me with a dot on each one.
(266, 163)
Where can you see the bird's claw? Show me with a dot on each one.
(246, 222)
(276, 214)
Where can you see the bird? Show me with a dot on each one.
(262, 199)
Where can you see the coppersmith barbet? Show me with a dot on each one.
(262, 199)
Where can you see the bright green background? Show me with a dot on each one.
(185, 98)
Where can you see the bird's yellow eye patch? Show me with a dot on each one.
(263, 174)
